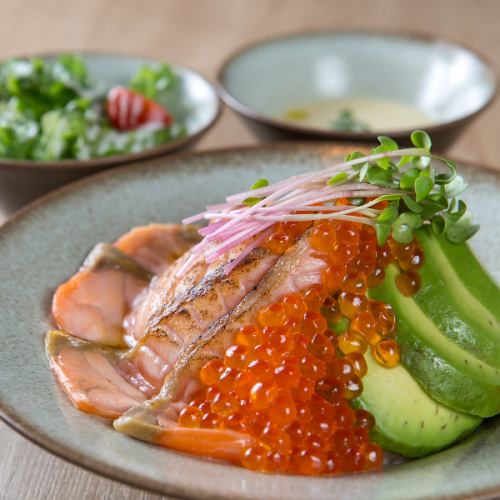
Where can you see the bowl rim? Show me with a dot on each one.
(322, 133)
(8, 414)
(119, 159)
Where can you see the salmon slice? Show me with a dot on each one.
(214, 296)
(162, 290)
(175, 304)
(152, 304)
(224, 445)
(93, 304)
(219, 444)
(147, 363)
(171, 326)
(90, 376)
(156, 246)
(101, 380)
(296, 270)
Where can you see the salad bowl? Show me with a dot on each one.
(192, 102)
(101, 208)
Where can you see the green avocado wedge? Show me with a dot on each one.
(408, 420)
(449, 331)
(459, 296)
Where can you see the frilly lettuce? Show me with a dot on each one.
(49, 110)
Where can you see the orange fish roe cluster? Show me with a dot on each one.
(288, 379)
(284, 382)
(355, 263)
(410, 259)
(284, 236)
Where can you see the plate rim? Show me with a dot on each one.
(91, 464)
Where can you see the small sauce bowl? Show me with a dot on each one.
(355, 86)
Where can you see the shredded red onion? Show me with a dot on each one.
(234, 223)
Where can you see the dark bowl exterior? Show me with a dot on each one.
(22, 183)
(19, 186)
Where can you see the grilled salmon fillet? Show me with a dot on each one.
(155, 420)
(164, 318)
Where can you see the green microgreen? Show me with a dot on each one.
(427, 194)
(388, 214)
(259, 183)
(421, 139)
(423, 187)
(404, 225)
(412, 205)
(252, 200)
(410, 187)
(338, 178)
(383, 231)
(408, 179)
(379, 176)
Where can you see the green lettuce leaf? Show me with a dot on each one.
(153, 81)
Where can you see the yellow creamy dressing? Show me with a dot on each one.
(373, 113)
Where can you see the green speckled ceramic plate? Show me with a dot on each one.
(44, 244)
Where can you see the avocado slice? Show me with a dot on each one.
(459, 296)
(449, 331)
(467, 268)
(408, 420)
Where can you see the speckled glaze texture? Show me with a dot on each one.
(46, 243)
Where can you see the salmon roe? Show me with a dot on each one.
(288, 379)
(284, 236)
(291, 392)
